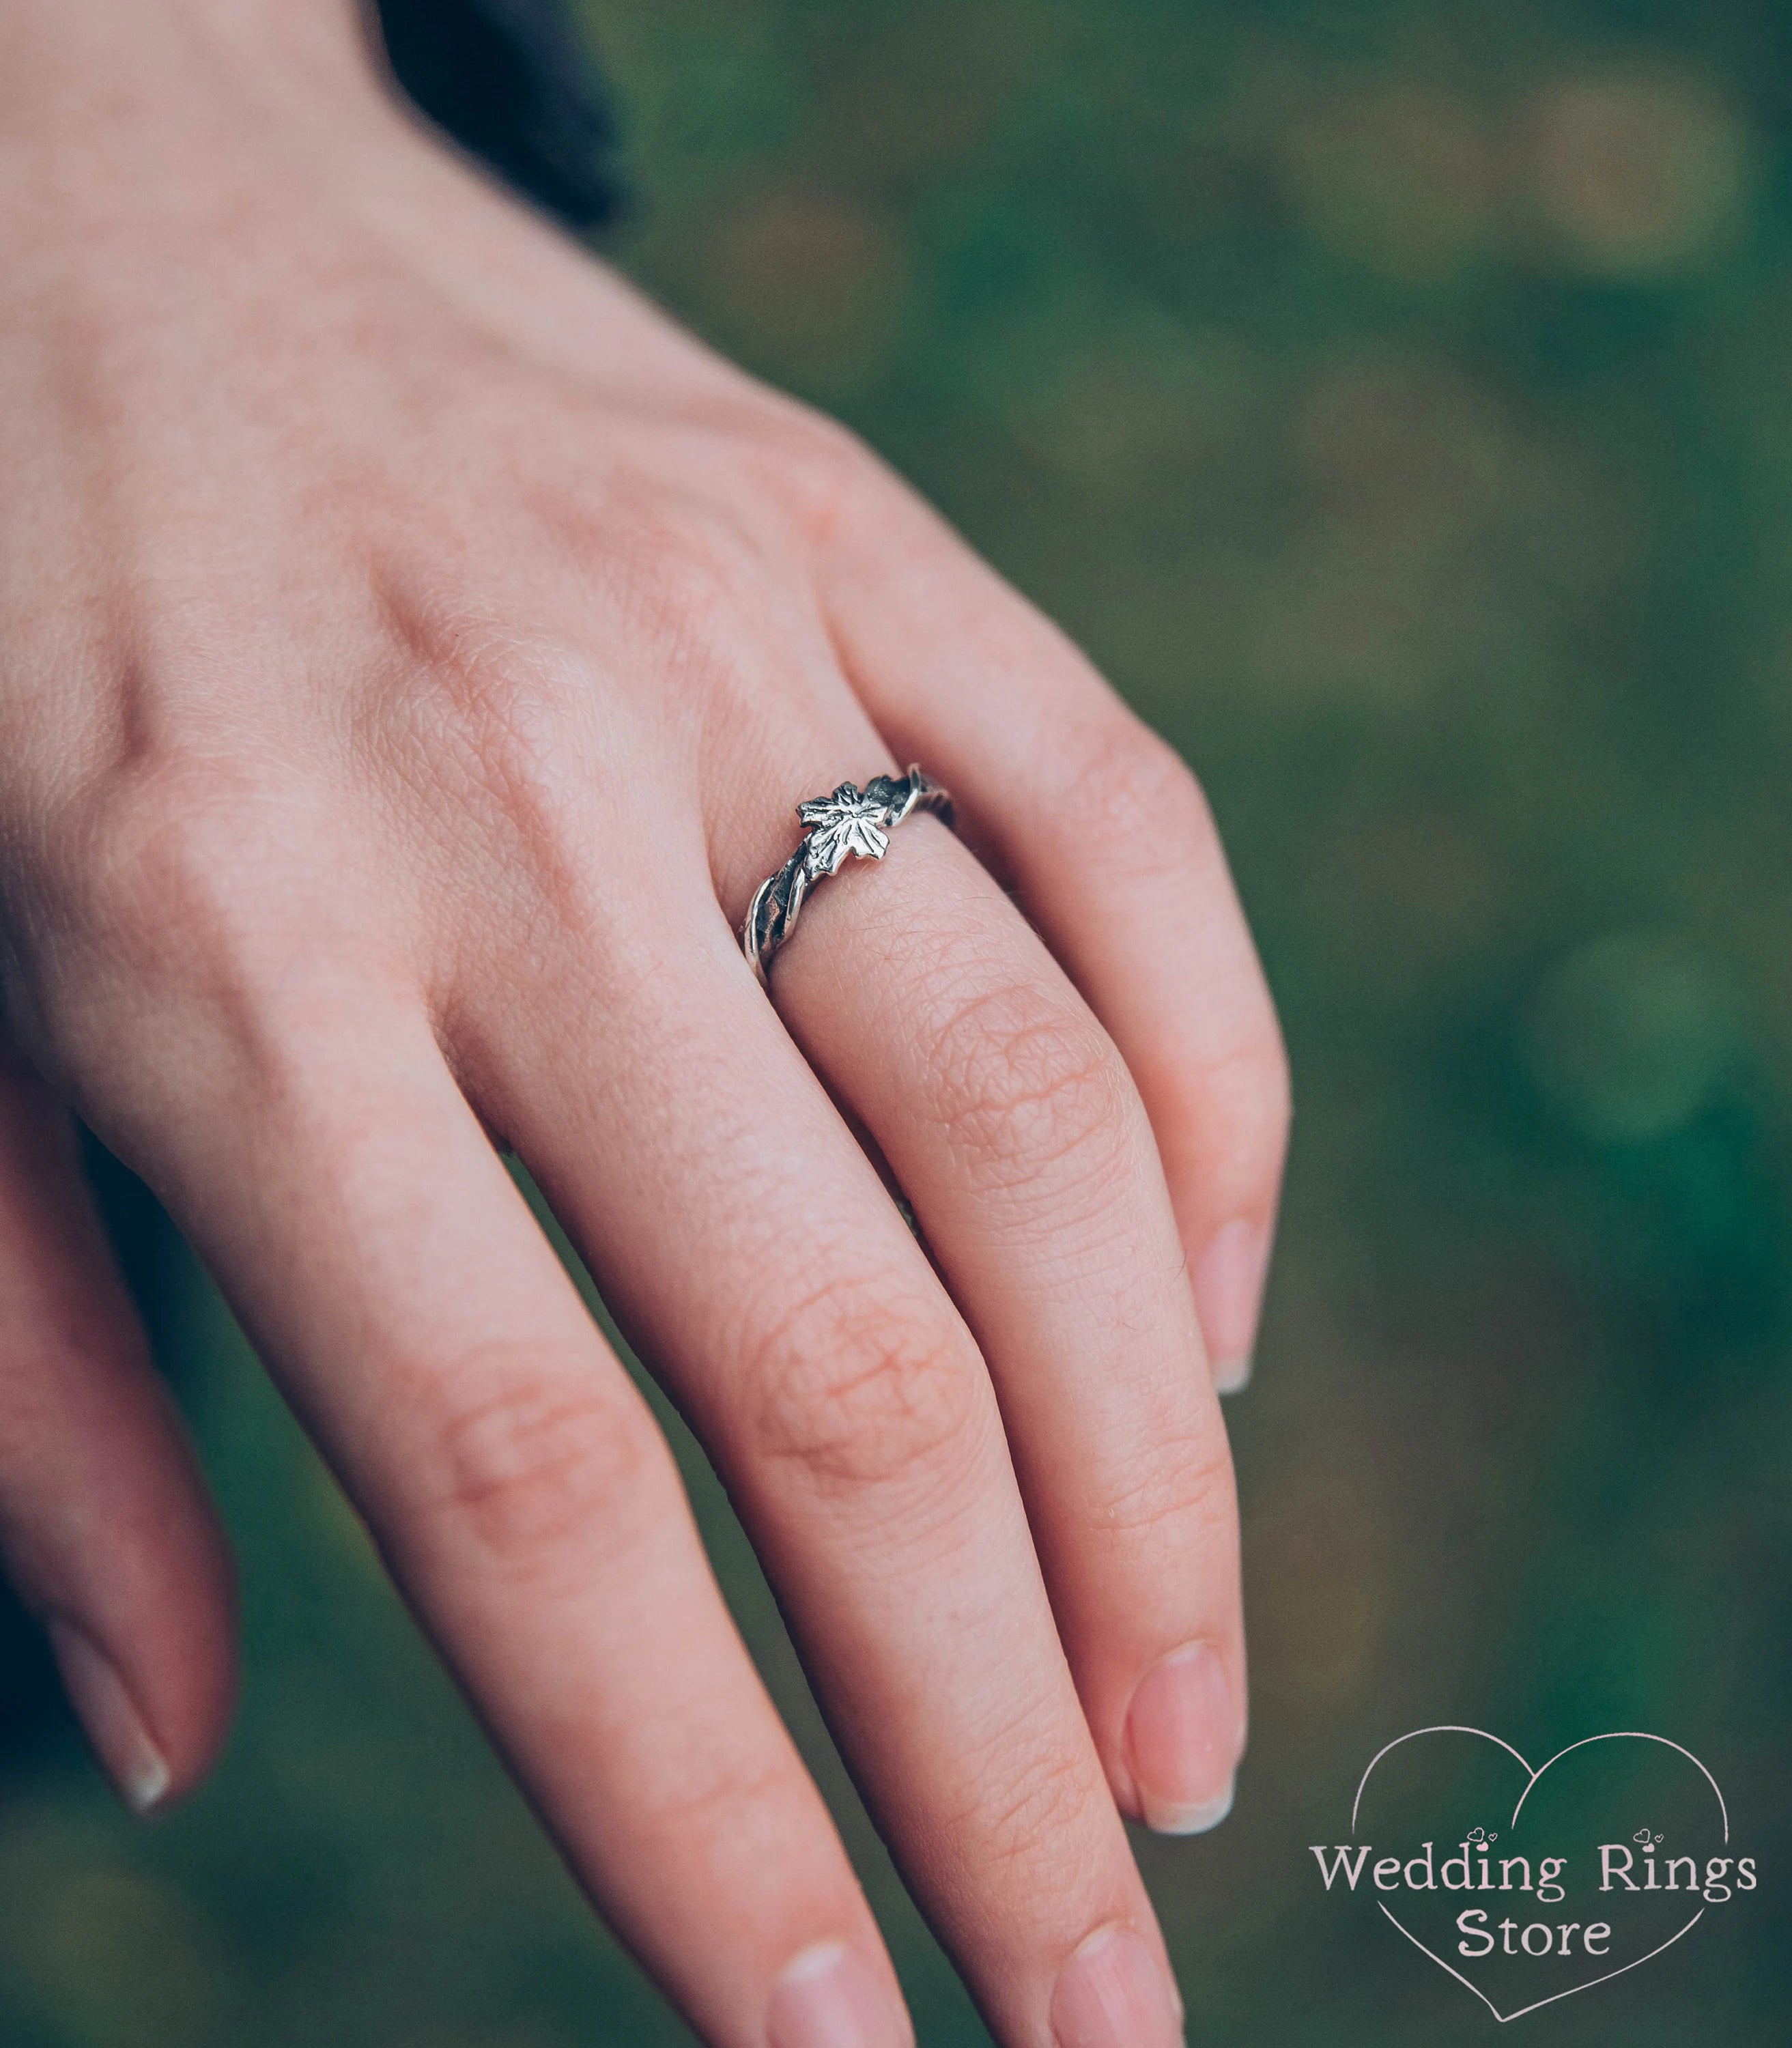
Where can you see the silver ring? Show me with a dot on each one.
(852, 821)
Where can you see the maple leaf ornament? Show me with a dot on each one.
(852, 821)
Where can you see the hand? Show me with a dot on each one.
(411, 648)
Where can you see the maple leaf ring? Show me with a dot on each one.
(852, 822)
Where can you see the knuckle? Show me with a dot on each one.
(503, 709)
(703, 592)
(815, 471)
(829, 478)
(156, 892)
(163, 861)
(863, 1396)
(1134, 803)
(1259, 1093)
(1036, 1807)
(690, 563)
(524, 1455)
(1241, 1099)
(1023, 1080)
(729, 1800)
(477, 704)
(1179, 1487)
(486, 722)
(695, 579)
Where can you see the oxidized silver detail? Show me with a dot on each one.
(852, 821)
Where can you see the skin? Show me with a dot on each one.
(412, 647)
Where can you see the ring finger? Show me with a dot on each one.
(746, 1240)
(1011, 1124)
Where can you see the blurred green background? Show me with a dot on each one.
(1397, 400)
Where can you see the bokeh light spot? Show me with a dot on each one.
(1640, 176)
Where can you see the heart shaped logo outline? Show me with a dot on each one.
(1614, 1734)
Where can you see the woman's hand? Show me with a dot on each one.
(412, 647)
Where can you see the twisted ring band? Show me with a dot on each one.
(852, 821)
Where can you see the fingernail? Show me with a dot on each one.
(1228, 1281)
(831, 1998)
(138, 1769)
(1112, 1994)
(1182, 1742)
